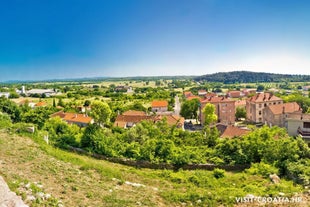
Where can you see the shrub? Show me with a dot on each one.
(218, 173)
(262, 169)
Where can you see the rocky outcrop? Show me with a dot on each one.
(9, 198)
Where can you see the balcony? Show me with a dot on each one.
(304, 133)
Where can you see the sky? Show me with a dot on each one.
(42, 40)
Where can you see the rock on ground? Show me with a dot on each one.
(9, 198)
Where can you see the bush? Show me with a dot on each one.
(299, 171)
(262, 169)
(218, 173)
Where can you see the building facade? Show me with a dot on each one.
(224, 109)
(256, 104)
(298, 124)
(275, 115)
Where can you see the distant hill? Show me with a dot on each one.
(251, 77)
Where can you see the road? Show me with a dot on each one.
(177, 106)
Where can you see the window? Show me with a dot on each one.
(306, 124)
(265, 105)
(260, 112)
(260, 105)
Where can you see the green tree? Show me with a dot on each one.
(87, 103)
(260, 88)
(13, 95)
(189, 109)
(11, 108)
(240, 113)
(61, 103)
(209, 114)
(101, 112)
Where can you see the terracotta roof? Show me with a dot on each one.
(234, 93)
(159, 104)
(134, 113)
(232, 131)
(73, 117)
(41, 103)
(240, 103)
(122, 120)
(187, 93)
(286, 108)
(263, 97)
(193, 97)
(216, 99)
(298, 116)
(172, 119)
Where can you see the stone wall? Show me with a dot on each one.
(147, 164)
(9, 198)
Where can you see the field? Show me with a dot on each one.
(74, 180)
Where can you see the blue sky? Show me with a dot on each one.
(81, 38)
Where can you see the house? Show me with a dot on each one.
(40, 104)
(256, 104)
(274, 115)
(159, 106)
(187, 94)
(172, 120)
(82, 120)
(5, 94)
(230, 131)
(128, 121)
(234, 94)
(209, 95)
(306, 88)
(202, 92)
(224, 109)
(298, 124)
(249, 91)
(122, 88)
(130, 118)
(134, 113)
(46, 92)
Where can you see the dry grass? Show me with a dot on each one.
(22, 159)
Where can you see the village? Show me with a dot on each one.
(256, 107)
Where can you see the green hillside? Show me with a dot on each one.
(74, 180)
(251, 77)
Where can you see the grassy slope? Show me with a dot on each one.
(81, 181)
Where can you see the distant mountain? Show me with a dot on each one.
(251, 77)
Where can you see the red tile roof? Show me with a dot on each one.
(159, 104)
(232, 131)
(216, 99)
(262, 97)
(134, 113)
(286, 108)
(193, 97)
(234, 94)
(240, 103)
(172, 119)
(73, 117)
(187, 93)
(122, 120)
(41, 103)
